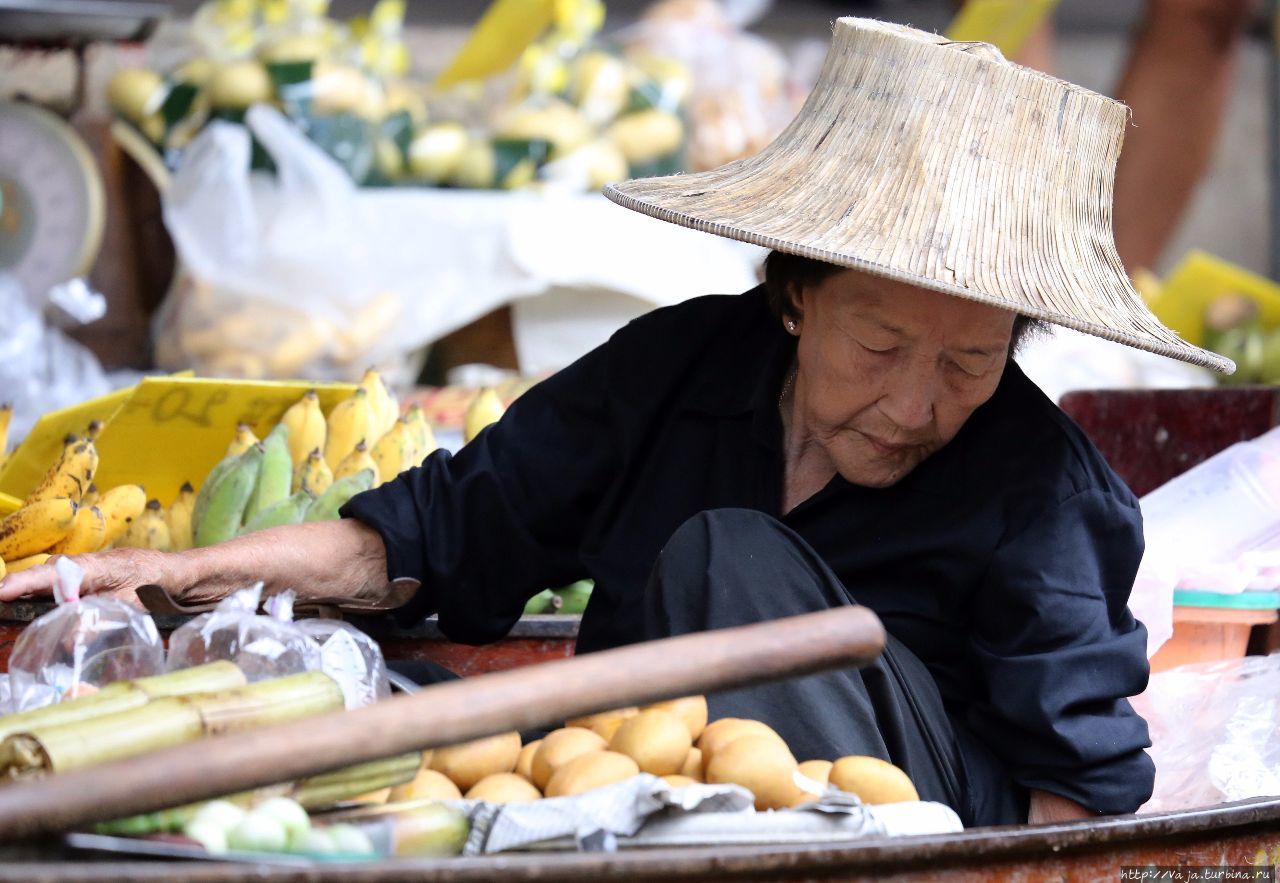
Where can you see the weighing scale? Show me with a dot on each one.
(51, 192)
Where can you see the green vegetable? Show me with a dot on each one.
(258, 832)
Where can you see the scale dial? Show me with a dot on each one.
(51, 202)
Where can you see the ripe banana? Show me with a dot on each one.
(94, 430)
(305, 422)
(290, 510)
(221, 518)
(87, 533)
(179, 518)
(244, 439)
(3, 569)
(71, 476)
(385, 408)
(155, 530)
(36, 527)
(357, 460)
(6, 415)
(120, 506)
(90, 497)
(485, 408)
(275, 475)
(424, 438)
(326, 506)
(350, 421)
(313, 474)
(20, 564)
(395, 451)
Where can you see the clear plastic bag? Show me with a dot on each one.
(292, 275)
(742, 89)
(263, 647)
(1215, 732)
(351, 658)
(81, 645)
(41, 369)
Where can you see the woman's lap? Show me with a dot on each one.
(731, 567)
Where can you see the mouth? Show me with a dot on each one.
(884, 448)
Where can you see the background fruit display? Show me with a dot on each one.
(571, 113)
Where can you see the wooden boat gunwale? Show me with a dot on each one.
(1181, 835)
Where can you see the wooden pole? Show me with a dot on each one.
(537, 696)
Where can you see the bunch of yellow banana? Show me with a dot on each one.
(65, 514)
(6, 415)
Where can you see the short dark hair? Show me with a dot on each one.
(783, 270)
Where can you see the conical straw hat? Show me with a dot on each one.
(940, 165)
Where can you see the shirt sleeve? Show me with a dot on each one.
(486, 529)
(1059, 652)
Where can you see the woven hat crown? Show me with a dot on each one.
(941, 165)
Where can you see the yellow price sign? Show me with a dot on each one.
(1005, 23)
(175, 429)
(43, 445)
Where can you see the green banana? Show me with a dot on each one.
(221, 519)
(540, 603)
(326, 506)
(206, 489)
(276, 474)
(290, 510)
(574, 597)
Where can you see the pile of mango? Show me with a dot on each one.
(671, 739)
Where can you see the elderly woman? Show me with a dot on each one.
(853, 431)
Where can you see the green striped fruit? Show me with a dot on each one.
(276, 474)
(326, 506)
(228, 498)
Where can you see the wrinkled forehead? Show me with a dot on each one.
(912, 310)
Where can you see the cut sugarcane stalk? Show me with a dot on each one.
(125, 695)
(164, 722)
(153, 726)
(267, 702)
(111, 699)
(335, 787)
(208, 678)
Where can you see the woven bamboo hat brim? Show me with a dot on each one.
(940, 165)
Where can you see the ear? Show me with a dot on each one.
(794, 306)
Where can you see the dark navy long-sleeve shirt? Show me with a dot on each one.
(1004, 561)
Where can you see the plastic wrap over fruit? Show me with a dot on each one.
(263, 647)
(1215, 732)
(351, 658)
(81, 645)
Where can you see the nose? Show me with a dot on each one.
(909, 396)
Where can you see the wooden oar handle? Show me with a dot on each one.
(537, 696)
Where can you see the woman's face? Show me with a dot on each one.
(888, 372)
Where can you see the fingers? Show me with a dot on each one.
(118, 572)
(36, 582)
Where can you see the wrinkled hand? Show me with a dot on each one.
(118, 572)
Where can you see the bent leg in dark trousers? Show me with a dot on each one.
(730, 567)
